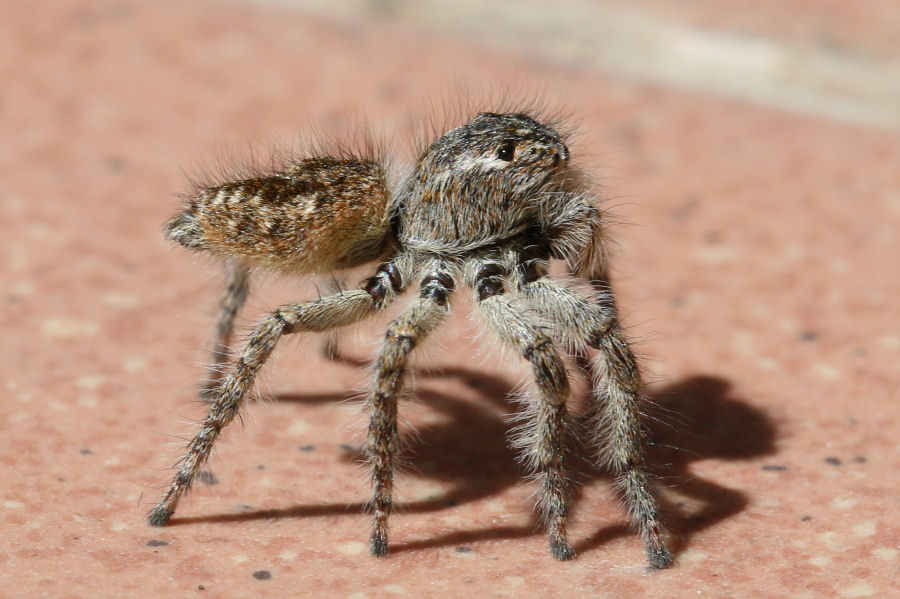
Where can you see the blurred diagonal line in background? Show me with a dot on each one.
(809, 76)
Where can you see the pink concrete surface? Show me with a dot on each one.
(756, 265)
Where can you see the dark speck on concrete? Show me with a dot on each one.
(833, 461)
(687, 208)
(262, 575)
(156, 543)
(116, 164)
(713, 237)
(307, 448)
(87, 452)
(463, 549)
(629, 135)
(774, 468)
(805, 518)
(206, 476)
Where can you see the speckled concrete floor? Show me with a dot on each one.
(756, 264)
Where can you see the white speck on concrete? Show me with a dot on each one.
(843, 503)
(67, 328)
(860, 589)
(865, 529)
(351, 548)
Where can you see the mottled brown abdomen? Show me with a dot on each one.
(320, 214)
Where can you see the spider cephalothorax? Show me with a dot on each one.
(485, 208)
(481, 183)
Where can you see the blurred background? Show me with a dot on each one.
(748, 156)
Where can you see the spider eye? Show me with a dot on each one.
(506, 152)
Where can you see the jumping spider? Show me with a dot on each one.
(486, 207)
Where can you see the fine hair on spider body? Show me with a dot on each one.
(484, 210)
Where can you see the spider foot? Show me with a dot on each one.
(159, 515)
(660, 558)
(379, 544)
(561, 550)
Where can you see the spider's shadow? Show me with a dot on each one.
(692, 419)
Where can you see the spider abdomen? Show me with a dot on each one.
(319, 215)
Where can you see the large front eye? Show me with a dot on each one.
(506, 152)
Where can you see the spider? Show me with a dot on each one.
(486, 207)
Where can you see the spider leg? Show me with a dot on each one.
(237, 287)
(331, 344)
(382, 447)
(573, 230)
(545, 437)
(616, 417)
(318, 315)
